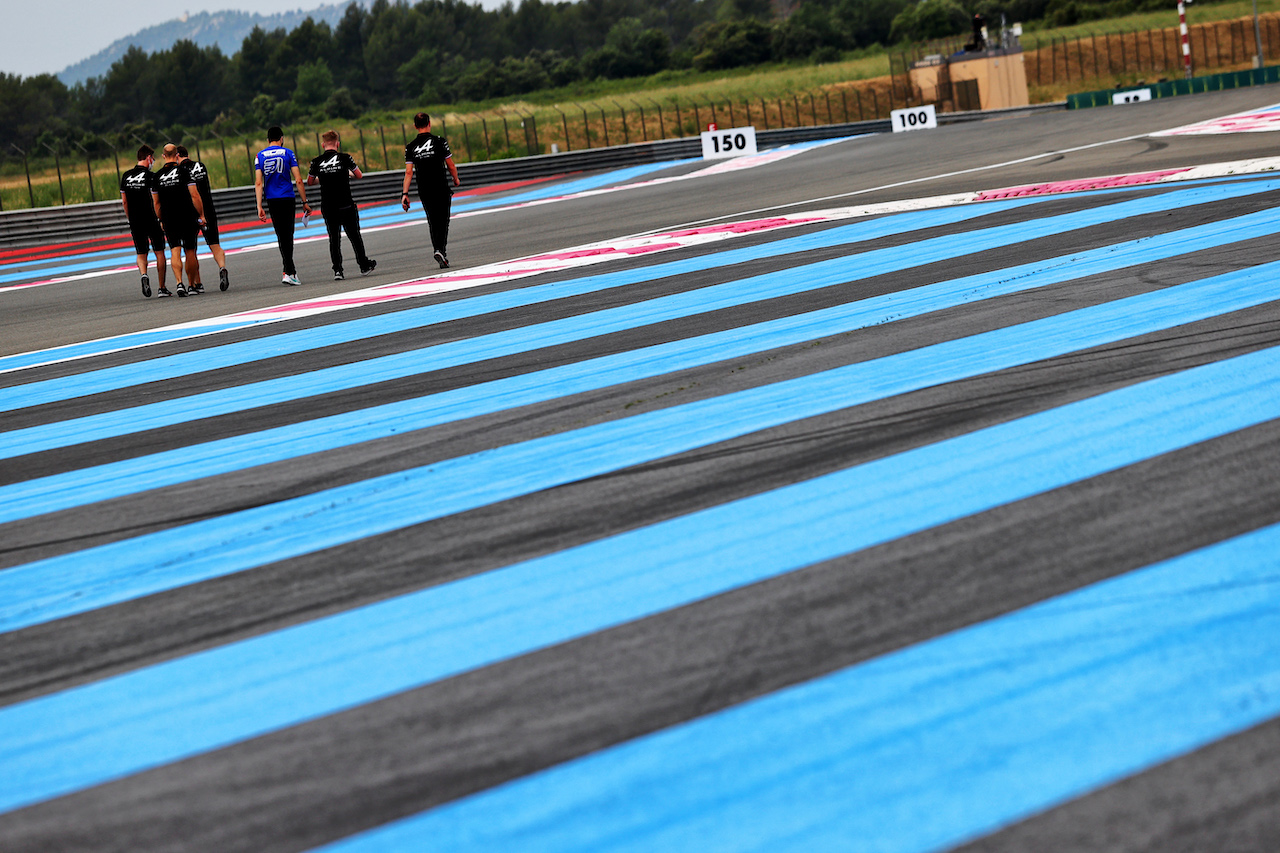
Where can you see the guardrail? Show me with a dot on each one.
(1173, 88)
(21, 228)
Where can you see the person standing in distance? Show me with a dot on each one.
(200, 174)
(181, 213)
(135, 194)
(430, 156)
(333, 170)
(276, 174)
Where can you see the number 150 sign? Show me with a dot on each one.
(728, 143)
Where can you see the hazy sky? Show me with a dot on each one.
(49, 35)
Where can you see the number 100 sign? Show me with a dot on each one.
(728, 143)
(914, 118)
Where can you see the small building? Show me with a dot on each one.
(980, 77)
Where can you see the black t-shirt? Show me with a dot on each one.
(333, 170)
(200, 174)
(427, 152)
(137, 185)
(172, 182)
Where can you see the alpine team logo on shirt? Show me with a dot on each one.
(136, 182)
(426, 149)
(331, 166)
(198, 171)
(273, 165)
(170, 179)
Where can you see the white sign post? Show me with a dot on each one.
(717, 144)
(1131, 97)
(914, 118)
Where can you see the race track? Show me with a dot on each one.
(909, 492)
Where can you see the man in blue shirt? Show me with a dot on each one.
(276, 173)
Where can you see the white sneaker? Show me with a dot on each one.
(290, 280)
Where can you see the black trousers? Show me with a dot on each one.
(283, 211)
(344, 219)
(436, 205)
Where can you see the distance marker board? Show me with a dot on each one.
(913, 118)
(717, 144)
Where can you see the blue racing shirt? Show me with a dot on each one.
(275, 163)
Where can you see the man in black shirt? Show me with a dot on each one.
(200, 174)
(181, 213)
(135, 194)
(333, 170)
(430, 156)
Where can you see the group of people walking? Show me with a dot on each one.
(175, 204)
(172, 206)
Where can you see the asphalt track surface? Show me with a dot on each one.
(948, 528)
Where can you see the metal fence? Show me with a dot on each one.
(1094, 59)
(106, 218)
(474, 139)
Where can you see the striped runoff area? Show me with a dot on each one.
(947, 526)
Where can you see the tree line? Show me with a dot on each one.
(397, 55)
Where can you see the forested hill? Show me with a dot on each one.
(225, 29)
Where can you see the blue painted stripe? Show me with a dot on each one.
(96, 577)
(105, 345)
(574, 328)
(289, 343)
(1195, 301)
(87, 735)
(924, 748)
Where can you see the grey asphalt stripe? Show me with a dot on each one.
(363, 767)
(1223, 798)
(99, 643)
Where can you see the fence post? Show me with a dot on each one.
(662, 126)
(30, 192)
(57, 163)
(533, 121)
(466, 140)
(115, 153)
(604, 123)
(697, 119)
(226, 169)
(506, 132)
(249, 155)
(733, 122)
(626, 133)
(364, 158)
(644, 131)
(679, 120)
(586, 126)
(564, 120)
(88, 168)
(386, 161)
(488, 149)
(764, 111)
(875, 102)
(858, 92)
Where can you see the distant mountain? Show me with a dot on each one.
(225, 29)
